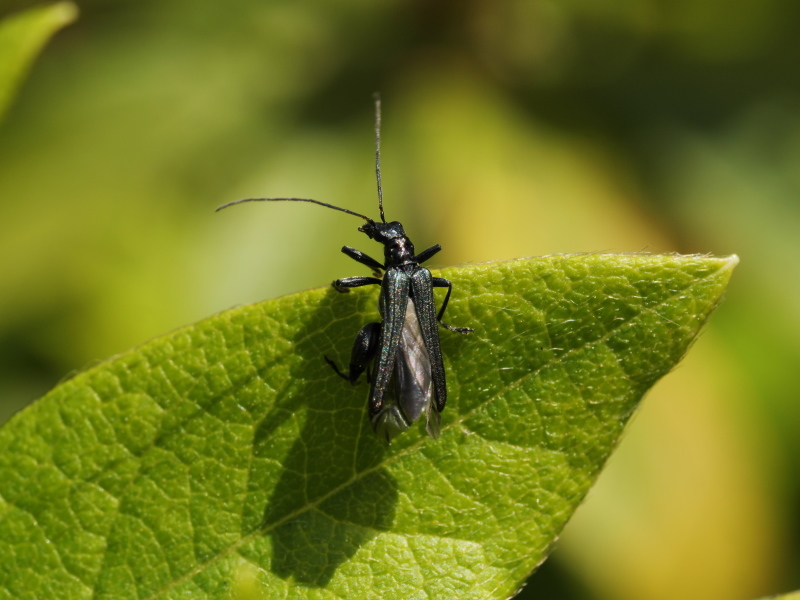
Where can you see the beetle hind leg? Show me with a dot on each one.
(442, 282)
(336, 369)
(464, 330)
(365, 347)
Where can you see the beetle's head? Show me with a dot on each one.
(383, 233)
(397, 248)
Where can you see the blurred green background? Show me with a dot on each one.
(511, 128)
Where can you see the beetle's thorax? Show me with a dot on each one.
(397, 248)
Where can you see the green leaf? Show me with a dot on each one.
(227, 457)
(21, 38)
(790, 596)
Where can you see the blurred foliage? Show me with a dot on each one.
(510, 129)
(21, 38)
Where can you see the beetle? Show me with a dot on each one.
(405, 344)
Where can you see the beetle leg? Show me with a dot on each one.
(336, 368)
(442, 282)
(365, 347)
(427, 254)
(359, 256)
(343, 285)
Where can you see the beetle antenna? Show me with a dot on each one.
(349, 212)
(378, 152)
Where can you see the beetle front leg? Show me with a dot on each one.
(343, 285)
(442, 282)
(427, 254)
(359, 256)
(365, 347)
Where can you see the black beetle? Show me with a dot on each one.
(405, 344)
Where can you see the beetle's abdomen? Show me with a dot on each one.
(412, 395)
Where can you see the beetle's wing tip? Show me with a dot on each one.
(433, 422)
(389, 423)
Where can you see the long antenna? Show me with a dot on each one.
(378, 152)
(349, 212)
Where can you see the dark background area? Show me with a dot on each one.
(511, 129)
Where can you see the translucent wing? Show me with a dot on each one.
(413, 371)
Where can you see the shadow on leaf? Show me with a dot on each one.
(331, 496)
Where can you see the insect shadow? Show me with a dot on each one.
(331, 496)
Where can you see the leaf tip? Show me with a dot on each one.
(65, 12)
(731, 262)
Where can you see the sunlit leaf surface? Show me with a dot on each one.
(227, 455)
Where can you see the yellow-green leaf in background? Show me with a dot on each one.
(22, 36)
(228, 457)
